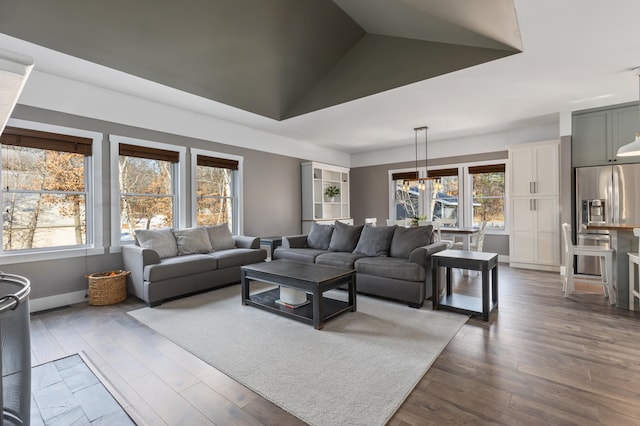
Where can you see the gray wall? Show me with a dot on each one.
(272, 199)
(370, 192)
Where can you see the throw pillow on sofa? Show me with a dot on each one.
(220, 237)
(375, 240)
(406, 239)
(345, 237)
(319, 236)
(161, 241)
(192, 241)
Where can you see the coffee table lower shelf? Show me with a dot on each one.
(267, 300)
(463, 304)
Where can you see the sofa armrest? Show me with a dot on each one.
(294, 241)
(243, 241)
(135, 258)
(422, 255)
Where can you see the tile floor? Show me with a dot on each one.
(66, 392)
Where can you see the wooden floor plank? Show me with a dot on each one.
(541, 359)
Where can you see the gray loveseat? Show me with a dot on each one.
(390, 261)
(166, 264)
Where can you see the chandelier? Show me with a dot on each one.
(422, 182)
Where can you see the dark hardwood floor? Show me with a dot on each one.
(541, 359)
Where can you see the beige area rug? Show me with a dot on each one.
(356, 371)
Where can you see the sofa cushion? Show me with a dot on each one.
(339, 259)
(238, 257)
(179, 266)
(319, 236)
(375, 240)
(406, 239)
(220, 237)
(306, 255)
(162, 241)
(345, 237)
(192, 241)
(391, 267)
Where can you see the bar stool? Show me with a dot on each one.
(634, 259)
(606, 264)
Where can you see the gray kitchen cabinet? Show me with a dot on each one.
(597, 135)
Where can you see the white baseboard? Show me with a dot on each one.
(548, 268)
(50, 302)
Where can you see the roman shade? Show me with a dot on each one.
(222, 163)
(45, 140)
(146, 152)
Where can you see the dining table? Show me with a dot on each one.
(465, 233)
(622, 241)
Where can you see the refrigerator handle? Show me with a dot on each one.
(615, 195)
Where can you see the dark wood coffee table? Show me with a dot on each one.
(308, 277)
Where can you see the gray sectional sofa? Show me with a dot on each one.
(390, 261)
(166, 264)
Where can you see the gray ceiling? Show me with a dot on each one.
(275, 58)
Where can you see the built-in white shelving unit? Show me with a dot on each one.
(316, 206)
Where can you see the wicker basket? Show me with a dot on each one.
(107, 288)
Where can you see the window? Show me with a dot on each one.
(147, 196)
(488, 195)
(216, 188)
(147, 186)
(445, 196)
(407, 203)
(45, 177)
(461, 195)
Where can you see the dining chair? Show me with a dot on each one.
(634, 259)
(477, 241)
(606, 264)
(370, 221)
(451, 244)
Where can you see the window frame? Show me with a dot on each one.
(465, 191)
(468, 205)
(93, 177)
(178, 184)
(237, 176)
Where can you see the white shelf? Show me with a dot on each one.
(316, 207)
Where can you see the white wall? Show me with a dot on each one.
(471, 145)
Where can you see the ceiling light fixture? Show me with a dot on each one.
(632, 148)
(422, 182)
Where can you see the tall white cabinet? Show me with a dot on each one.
(534, 209)
(316, 206)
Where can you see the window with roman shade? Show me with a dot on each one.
(488, 195)
(216, 201)
(147, 188)
(45, 177)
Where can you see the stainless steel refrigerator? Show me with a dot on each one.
(604, 194)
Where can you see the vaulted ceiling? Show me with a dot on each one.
(575, 54)
(275, 58)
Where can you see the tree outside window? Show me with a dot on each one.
(215, 191)
(488, 195)
(407, 203)
(146, 190)
(43, 190)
